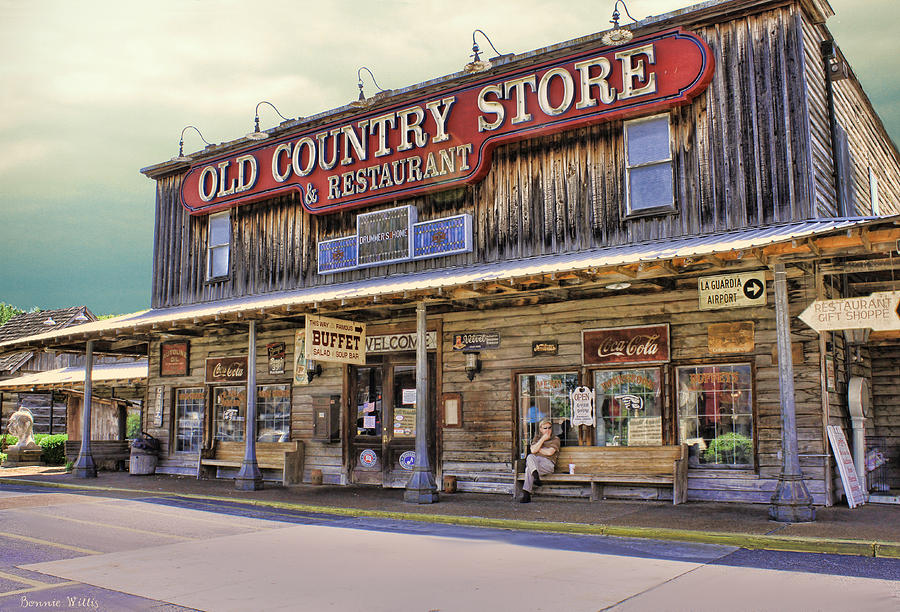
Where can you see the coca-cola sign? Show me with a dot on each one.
(647, 344)
(226, 369)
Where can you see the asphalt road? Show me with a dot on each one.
(67, 551)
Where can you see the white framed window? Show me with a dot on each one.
(273, 413)
(873, 192)
(629, 407)
(715, 413)
(546, 395)
(189, 406)
(649, 180)
(218, 245)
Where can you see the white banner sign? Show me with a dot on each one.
(582, 406)
(879, 312)
(335, 340)
(390, 343)
(732, 290)
(849, 476)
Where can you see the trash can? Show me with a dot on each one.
(144, 455)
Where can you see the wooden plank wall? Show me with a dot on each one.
(886, 406)
(741, 159)
(870, 145)
(480, 453)
(324, 456)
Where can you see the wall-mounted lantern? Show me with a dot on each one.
(473, 364)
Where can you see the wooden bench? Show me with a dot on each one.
(107, 454)
(620, 465)
(286, 457)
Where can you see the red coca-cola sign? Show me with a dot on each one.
(618, 345)
(445, 138)
(226, 369)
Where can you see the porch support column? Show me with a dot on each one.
(791, 502)
(421, 488)
(84, 465)
(249, 478)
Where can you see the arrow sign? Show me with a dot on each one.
(879, 312)
(744, 290)
(754, 289)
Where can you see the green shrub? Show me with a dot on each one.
(133, 425)
(53, 447)
(731, 448)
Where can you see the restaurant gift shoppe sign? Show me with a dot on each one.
(445, 139)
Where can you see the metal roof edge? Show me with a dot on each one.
(618, 255)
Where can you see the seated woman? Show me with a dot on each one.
(542, 460)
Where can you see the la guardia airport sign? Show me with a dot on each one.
(446, 138)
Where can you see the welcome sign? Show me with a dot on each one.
(446, 138)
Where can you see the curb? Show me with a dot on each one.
(741, 540)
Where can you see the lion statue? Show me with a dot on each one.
(21, 425)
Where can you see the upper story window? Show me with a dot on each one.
(218, 245)
(648, 165)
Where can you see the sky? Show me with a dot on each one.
(93, 91)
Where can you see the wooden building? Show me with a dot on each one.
(48, 409)
(119, 389)
(643, 217)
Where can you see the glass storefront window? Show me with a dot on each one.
(628, 407)
(188, 408)
(715, 413)
(273, 413)
(230, 412)
(404, 401)
(546, 396)
(368, 401)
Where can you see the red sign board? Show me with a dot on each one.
(173, 358)
(648, 344)
(226, 369)
(445, 138)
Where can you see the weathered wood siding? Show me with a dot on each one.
(870, 145)
(324, 456)
(741, 158)
(886, 406)
(481, 453)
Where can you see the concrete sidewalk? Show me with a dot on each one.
(869, 530)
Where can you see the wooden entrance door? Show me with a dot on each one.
(383, 419)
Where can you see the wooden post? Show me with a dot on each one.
(249, 477)
(791, 502)
(84, 465)
(421, 488)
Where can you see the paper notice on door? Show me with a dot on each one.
(409, 396)
(369, 421)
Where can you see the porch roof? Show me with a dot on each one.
(127, 372)
(803, 239)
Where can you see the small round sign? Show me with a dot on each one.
(368, 458)
(408, 460)
(754, 288)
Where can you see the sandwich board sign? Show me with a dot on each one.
(856, 496)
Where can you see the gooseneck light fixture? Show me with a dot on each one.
(473, 364)
(477, 64)
(361, 101)
(181, 156)
(256, 134)
(313, 369)
(617, 35)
